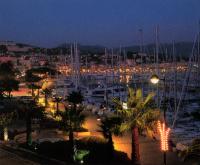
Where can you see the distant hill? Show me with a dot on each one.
(85, 49)
(182, 49)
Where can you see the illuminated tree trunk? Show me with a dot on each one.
(5, 132)
(135, 155)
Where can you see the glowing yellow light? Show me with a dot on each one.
(164, 135)
(154, 79)
(41, 101)
(5, 134)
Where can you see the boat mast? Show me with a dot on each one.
(157, 60)
(113, 72)
(157, 49)
(119, 75)
(72, 64)
(77, 66)
(175, 77)
(141, 54)
(198, 53)
(106, 68)
(185, 82)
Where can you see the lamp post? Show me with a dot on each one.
(164, 132)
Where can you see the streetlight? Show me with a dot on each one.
(164, 131)
(154, 79)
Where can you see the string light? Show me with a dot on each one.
(164, 136)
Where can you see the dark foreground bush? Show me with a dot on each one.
(98, 148)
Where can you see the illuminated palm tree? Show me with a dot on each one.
(139, 115)
(46, 92)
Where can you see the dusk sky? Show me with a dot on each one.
(103, 22)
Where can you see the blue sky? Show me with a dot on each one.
(103, 22)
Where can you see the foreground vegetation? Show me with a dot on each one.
(98, 151)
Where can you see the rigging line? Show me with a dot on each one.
(185, 83)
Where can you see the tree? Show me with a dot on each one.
(72, 120)
(9, 85)
(7, 69)
(192, 150)
(31, 80)
(75, 98)
(35, 75)
(8, 82)
(47, 93)
(38, 87)
(138, 115)
(109, 126)
(33, 111)
(57, 100)
(72, 117)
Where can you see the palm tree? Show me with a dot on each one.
(72, 117)
(192, 150)
(72, 120)
(46, 92)
(57, 100)
(75, 98)
(38, 87)
(139, 115)
(32, 111)
(109, 126)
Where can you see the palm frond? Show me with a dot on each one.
(149, 98)
(140, 112)
(139, 95)
(126, 126)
